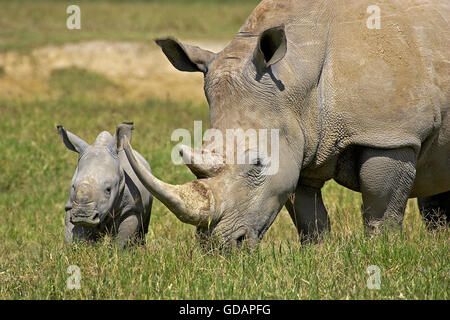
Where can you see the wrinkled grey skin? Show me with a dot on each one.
(365, 107)
(105, 194)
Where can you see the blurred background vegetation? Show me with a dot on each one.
(26, 24)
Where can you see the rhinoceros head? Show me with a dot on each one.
(232, 200)
(98, 180)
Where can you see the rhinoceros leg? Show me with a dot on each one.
(435, 210)
(386, 179)
(308, 212)
(131, 231)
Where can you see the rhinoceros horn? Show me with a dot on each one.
(203, 163)
(192, 202)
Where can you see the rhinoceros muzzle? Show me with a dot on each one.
(241, 237)
(85, 216)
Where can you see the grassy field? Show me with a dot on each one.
(36, 169)
(35, 176)
(25, 24)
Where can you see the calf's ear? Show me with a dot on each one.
(271, 47)
(123, 129)
(72, 141)
(185, 57)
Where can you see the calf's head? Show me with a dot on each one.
(98, 181)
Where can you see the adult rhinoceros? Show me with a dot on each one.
(366, 107)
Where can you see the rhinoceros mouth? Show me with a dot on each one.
(82, 220)
(241, 237)
(245, 235)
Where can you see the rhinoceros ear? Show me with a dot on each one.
(123, 129)
(185, 57)
(271, 47)
(72, 141)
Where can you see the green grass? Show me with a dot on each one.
(89, 82)
(26, 24)
(36, 170)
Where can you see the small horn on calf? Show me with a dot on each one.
(192, 202)
(84, 193)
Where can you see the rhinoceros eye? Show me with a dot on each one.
(108, 191)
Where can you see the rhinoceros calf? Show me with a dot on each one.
(105, 194)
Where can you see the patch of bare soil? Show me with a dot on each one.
(140, 70)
